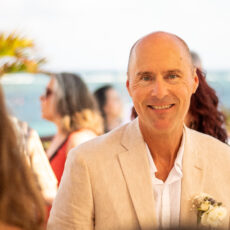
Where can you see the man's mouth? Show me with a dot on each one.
(160, 107)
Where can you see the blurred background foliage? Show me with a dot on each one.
(17, 54)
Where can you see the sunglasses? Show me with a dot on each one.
(48, 92)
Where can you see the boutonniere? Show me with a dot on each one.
(210, 213)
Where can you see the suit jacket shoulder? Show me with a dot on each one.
(103, 147)
(214, 151)
(94, 190)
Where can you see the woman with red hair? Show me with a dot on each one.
(204, 115)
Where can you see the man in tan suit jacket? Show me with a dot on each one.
(107, 184)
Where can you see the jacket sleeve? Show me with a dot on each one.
(73, 206)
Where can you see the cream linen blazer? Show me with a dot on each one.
(106, 183)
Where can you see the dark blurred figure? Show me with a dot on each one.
(203, 115)
(21, 202)
(110, 106)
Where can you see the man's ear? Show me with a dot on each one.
(195, 81)
(128, 85)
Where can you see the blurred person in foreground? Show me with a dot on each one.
(30, 144)
(147, 173)
(21, 203)
(68, 103)
(204, 114)
(110, 106)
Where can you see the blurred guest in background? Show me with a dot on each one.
(204, 114)
(110, 106)
(68, 103)
(196, 60)
(30, 144)
(21, 203)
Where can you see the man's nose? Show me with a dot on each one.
(159, 89)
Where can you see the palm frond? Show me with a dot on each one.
(19, 53)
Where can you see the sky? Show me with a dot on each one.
(79, 35)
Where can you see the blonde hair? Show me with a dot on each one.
(86, 119)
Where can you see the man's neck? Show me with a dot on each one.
(163, 148)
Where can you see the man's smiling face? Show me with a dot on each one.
(161, 80)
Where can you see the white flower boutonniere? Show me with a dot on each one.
(210, 213)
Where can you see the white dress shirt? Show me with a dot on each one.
(167, 194)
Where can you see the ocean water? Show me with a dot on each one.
(22, 92)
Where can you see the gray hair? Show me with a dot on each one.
(196, 60)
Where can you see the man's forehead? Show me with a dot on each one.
(161, 40)
(160, 44)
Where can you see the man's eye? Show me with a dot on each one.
(146, 78)
(172, 76)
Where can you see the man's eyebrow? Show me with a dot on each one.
(144, 73)
(172, 71)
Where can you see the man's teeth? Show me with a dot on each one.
(161, 107)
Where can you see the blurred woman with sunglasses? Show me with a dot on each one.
(68, 103)
(21, 202)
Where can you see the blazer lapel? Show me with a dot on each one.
(135, 167)
(192, 181)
